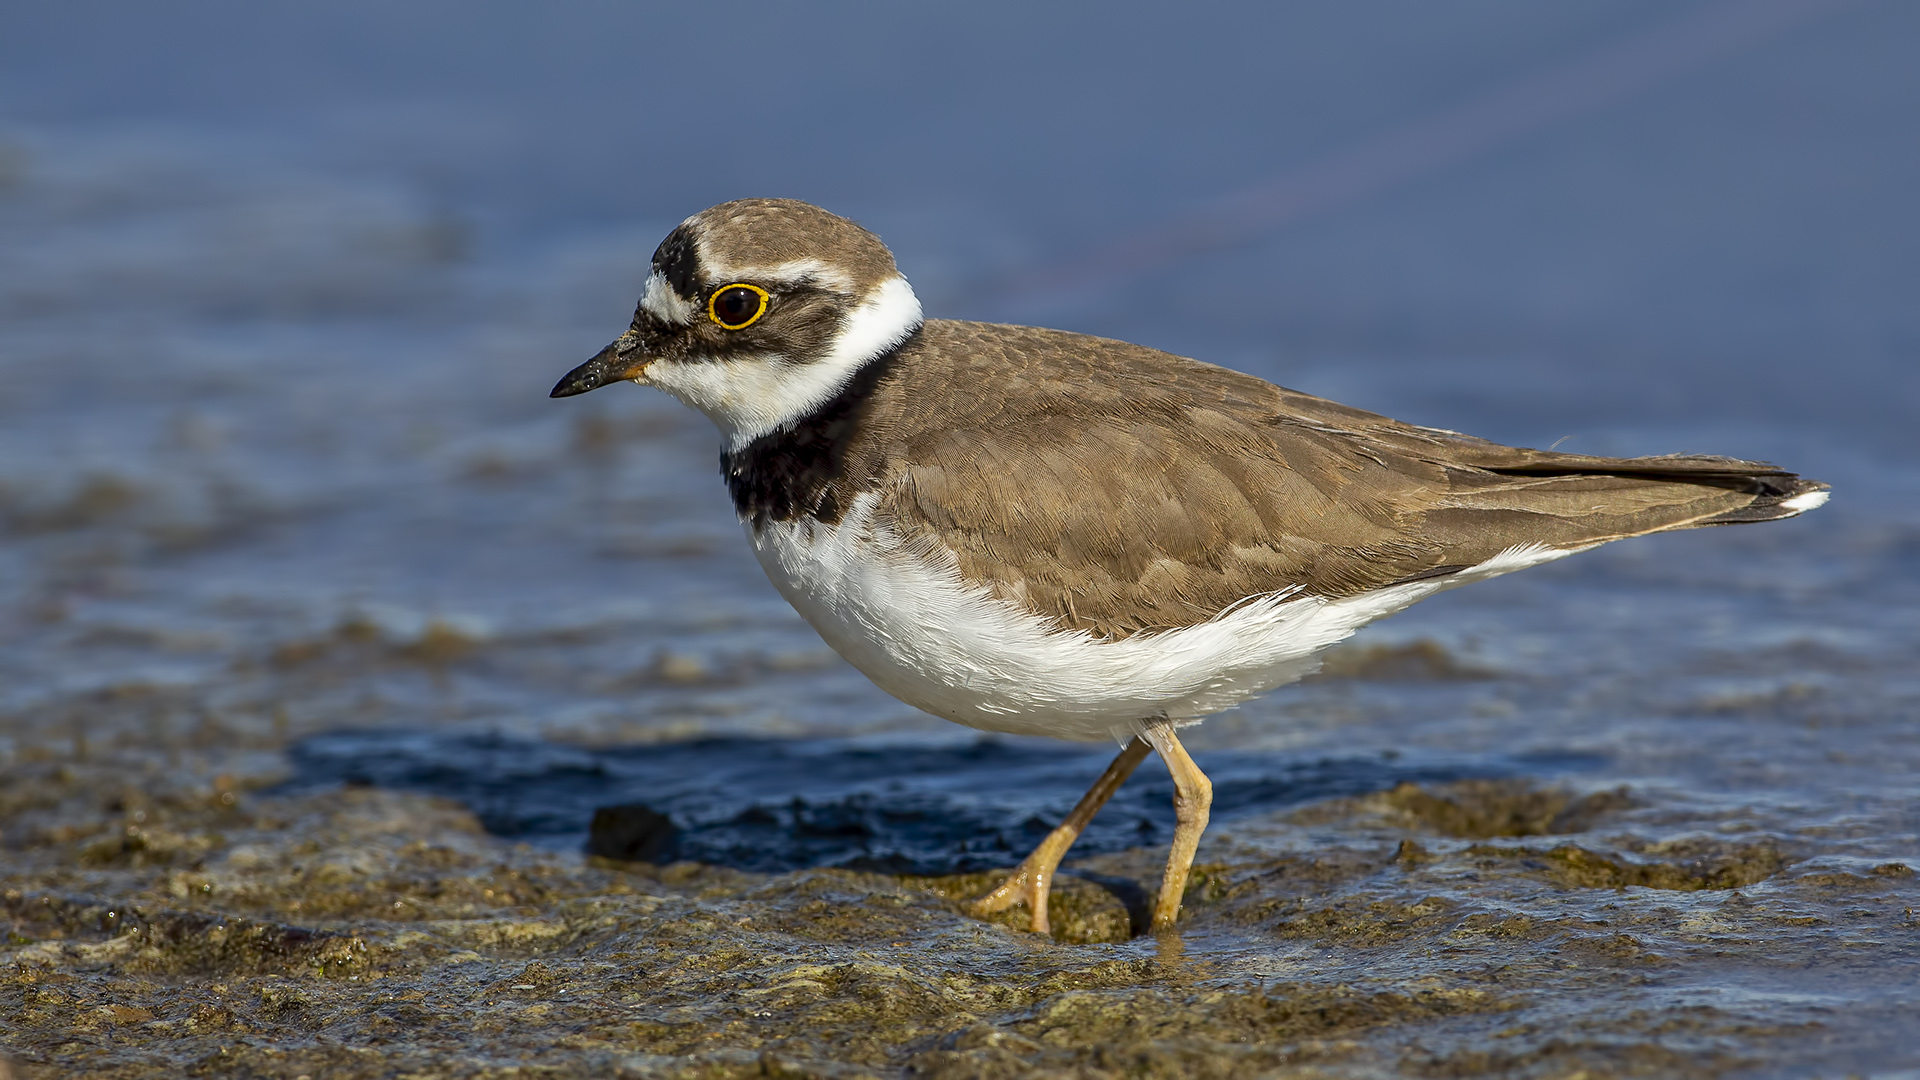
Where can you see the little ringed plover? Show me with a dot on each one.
(1046, 533)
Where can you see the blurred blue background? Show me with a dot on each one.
(282, 289)
(1551, 219)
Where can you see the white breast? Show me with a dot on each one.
(911, 624)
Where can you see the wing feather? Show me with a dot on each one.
(1121, 490)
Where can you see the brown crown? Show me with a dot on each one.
(748, 233)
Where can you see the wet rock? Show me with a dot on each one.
(634, 832)
(1368, 922)
(1480, 809)
(359, 932)
(1477, 809)
(1720, 866)
(360, 642)
(1081, 909)
(100, 499)
(1618, 949)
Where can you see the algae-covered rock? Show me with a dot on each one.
(1713, 866)
(1477, 809)
(359, 932)
(1081, 909)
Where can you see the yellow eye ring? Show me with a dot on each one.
(731, 312)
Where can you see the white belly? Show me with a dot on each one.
(922, 634)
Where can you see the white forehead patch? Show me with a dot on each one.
(793, 272)
(661, 302)
(751, 396)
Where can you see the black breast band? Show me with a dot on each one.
(795, 470)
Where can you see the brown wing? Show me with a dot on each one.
(1118, 489)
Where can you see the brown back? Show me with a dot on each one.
(1118, 489)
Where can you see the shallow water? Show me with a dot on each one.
(941, 807)
(314, 609)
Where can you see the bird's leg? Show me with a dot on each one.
(1034, 878)
(1192, 800)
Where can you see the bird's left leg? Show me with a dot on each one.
(1192, 802)
(1033, 880)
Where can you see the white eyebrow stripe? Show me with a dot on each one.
(807, 271)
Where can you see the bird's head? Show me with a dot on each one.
(756, 313)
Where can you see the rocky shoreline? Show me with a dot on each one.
(163, 926)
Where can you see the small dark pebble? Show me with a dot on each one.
(632, 832)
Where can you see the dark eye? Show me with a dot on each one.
(736, 307)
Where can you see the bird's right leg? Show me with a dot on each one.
(1034, 878)
(1192, 805)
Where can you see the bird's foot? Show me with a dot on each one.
(1030, 882)
(1033, 879)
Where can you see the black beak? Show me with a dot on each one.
(607, 366)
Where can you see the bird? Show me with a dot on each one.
(1037, 532)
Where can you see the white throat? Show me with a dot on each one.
(750, 396)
